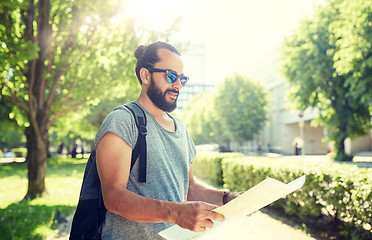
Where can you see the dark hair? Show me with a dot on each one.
(147, 56)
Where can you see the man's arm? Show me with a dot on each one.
(200, 192)
(113, 165)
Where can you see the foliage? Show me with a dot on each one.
(336, 194)
(36, 219)
(198, 117)
(353, 31)
(84, 123)
(235, 112)
(11, 135)
(308, 62)
(241, 104)
(58, 55)
(207, 166)
(344, 194)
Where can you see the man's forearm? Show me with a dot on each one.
(138, 208)
(195, 216)
(199, 192)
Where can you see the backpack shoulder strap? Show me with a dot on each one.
(140, 149)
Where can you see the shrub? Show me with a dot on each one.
(341, 192)
(207, 166)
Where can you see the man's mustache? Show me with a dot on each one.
(172, 90)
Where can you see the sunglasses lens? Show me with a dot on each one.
(172, 77)
(184, 80)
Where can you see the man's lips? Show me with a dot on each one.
(172, 93)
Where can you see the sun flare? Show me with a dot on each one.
(158, 14)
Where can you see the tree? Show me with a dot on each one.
(11, 134)
(197, 115)
(56, 56)
(84, 122)
(307, 61)
(240, 104)
(353, 30)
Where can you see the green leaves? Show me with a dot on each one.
(323, 62)
(339, 192)
(63, 54)
(353, 30)
(241, 105)
(236, 111)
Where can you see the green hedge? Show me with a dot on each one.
(342, 193)
(207, 166)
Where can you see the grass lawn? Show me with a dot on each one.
(36, 219)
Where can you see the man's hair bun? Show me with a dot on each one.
(139, 51)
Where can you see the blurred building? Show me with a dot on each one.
(190, 90)
(284, 125)
(194, 67)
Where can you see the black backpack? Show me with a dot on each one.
(91, 212)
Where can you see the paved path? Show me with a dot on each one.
(259, 226)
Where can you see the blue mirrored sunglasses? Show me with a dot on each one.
(172, 76)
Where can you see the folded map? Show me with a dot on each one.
(259, 196)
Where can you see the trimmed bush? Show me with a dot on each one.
(207, 166)
(338, 195)
(340, 192)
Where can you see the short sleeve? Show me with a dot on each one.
(120, 122)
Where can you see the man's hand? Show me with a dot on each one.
(196, 216)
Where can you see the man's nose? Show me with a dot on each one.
(177, 84)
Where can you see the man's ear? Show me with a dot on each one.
(145, 76)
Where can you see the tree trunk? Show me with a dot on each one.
(342, 146)
(37, 162)
(39, 106)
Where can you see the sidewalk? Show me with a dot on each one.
(259, 226)
(362, 160)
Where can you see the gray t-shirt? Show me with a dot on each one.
(169, 157)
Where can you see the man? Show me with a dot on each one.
(170, 195)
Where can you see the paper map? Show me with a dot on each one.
(254, 199)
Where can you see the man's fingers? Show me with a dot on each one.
(211, 214)
(216, 216)
(197, 216)
(208, 206)
(208, 223)
(200, 229)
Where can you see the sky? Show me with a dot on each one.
(240, 36)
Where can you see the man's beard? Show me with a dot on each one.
(158, 98)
